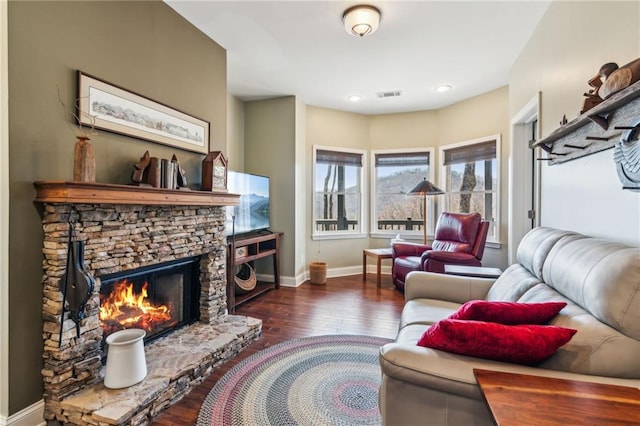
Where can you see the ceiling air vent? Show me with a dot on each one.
(392, 94)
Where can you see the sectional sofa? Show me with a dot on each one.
(598, 279)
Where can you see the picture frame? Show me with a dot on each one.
(105, 106)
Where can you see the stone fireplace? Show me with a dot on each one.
(128, 232)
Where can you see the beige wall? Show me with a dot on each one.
(142, 46)
(483, 115)
(332, 128)
(568, 47)
(477, 117)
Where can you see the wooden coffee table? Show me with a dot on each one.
(521, 399)
(378, 254)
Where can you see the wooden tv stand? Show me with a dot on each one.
(246, 249)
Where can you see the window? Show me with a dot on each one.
(338, 188)
(394, 174)
(472, 177)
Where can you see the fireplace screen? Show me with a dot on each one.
(157, 298)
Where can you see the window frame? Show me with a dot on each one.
(345, 234)
(431, 217)
(491, 241)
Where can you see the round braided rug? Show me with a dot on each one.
(320, 380)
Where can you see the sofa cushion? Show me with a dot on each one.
(521, 344)
(509, 313)
(601, 276)
(536, 245)
(597, 349)
(512, 284)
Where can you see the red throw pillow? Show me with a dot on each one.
(521, 344)
(508, 312)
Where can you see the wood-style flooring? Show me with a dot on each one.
(345, 305)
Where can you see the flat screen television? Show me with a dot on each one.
(252, 215)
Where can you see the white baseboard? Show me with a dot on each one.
(290, 281)
(33, 415)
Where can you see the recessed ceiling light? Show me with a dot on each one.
(443, 88)
(353, 98)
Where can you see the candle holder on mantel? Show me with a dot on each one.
(84, 161)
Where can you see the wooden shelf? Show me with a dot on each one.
(261, 288)
(68, 192)
(596, 130)
(255, 247)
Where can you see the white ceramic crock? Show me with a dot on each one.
(126, 364)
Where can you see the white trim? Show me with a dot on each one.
(4, 212)
(33, 415)
(444, 184)
(293, 281)
(364, 199)
(337, 236)
(372, 207)
(520, 170)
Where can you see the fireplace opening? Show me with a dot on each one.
(156, 298)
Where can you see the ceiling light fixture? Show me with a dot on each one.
(361, 20)
(443, 88)
(353, 98)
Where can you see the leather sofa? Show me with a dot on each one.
(459, 240)
(598, 279)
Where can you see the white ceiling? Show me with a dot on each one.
(280, 48)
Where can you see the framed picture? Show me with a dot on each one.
(112, 108)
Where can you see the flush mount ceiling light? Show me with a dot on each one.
(361, 20)
(443, 88)
(353, 98)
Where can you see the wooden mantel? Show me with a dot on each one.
(68, 192)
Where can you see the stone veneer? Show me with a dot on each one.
(125, 237)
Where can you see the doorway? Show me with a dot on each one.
(524, 175)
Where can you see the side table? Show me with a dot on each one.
(378, 254)
(472, 271)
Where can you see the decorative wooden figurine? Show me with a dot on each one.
(619, 78)
(214, 172)
(593, 95)
(140, 168)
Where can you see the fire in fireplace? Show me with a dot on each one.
(156, 298)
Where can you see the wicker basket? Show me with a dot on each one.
(245, 279)
(318, 272)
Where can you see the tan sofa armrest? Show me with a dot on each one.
(453, 374)
(451, 288)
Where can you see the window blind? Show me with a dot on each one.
(470, 153)
(402, 159)
(338, 158)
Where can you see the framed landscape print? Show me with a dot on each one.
(112, 108)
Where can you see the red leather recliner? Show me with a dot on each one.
(459, 240)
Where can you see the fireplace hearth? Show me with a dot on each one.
(185, 248)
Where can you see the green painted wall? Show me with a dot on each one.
(143, 46)
(270, 150)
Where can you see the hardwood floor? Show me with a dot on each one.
(345, 305)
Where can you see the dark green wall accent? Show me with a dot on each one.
(145, 47)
